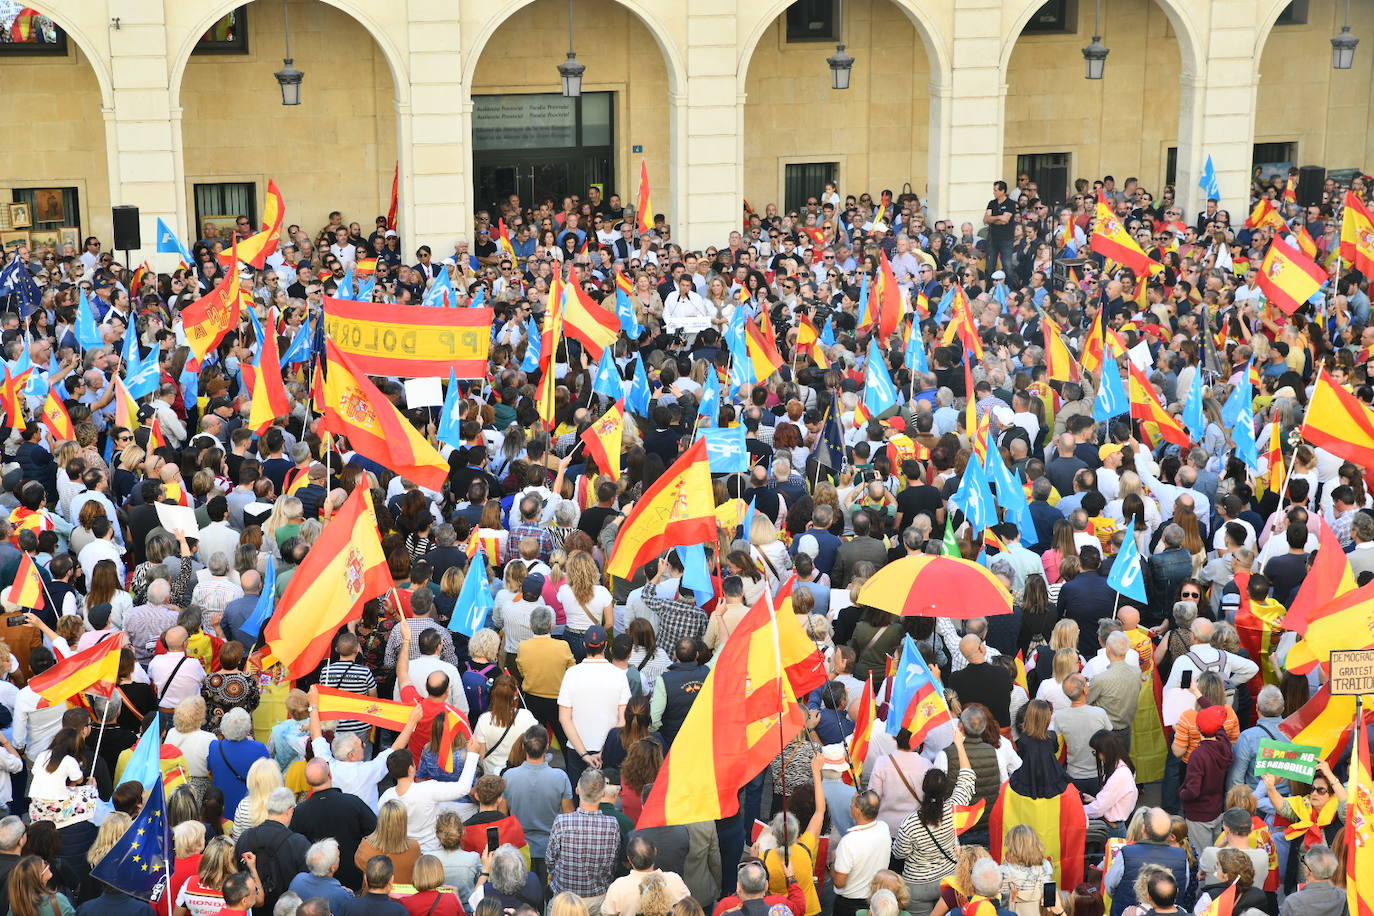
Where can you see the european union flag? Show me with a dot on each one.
(17, 281)
(138, 863)
(726, 452)
(830, 446)
(474, 601)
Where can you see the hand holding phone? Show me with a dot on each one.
(1186, 679)
(1049, 895)
(493, 838)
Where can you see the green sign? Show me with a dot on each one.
(1287, 761)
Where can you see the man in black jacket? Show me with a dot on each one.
(280, 851)
(330, 812)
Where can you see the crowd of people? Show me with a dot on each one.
(579, 682)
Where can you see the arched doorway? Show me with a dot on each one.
(337, 150)
(1060, 126)
(56, 158)
(799, 132)
(528, 140)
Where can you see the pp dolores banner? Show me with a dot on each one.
(410, 341)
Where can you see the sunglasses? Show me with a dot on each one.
(1190, 594)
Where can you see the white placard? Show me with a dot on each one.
(424, 392)
(1140, 356)
(178, 519)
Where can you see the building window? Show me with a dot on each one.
(54, 218)
(228, 35)
(219, 205)
(1049, 172)
(1056, 16)
(812, 20)
(1274, 159)
(24, 30)
(1294, 13)
(805, 181)
(1171, 166)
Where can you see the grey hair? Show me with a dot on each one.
(1185, 612)
(1106, 627)
(1270, 701)
(236, 725)
(883, 903)
(541, 621)
(508, 870)
(987, 877)
(343, 744)
(1117, 643)
(219, 563)
(784, 828)
(106, 709)
(1320, 861)
(322, 857)
(280, 800)
(974, 720)
(753, 879)
(565, 514)
(12, 832)
(287, 904)
(1173, 535)
(591, 785)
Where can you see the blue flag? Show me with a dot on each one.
(999, 293)
(709, 409)
(746, 527)
(17, 281)
(267, 600)
(975, 498)
(1011, 495)
(145, 763)
(726, 452)
(946, 303)
(168, 243)
(1194, 420)
(912, 677)
(1243, 396)
(741, 364)
(474, 601)
(190, 384)
(639, 396)
(532, 352)
(828, 332)
(1112, 400)
(141, 376)
(863, 300)
(696, 574)
(363, 290)
(1127, 576)
(299, 350)
(434, 296)
(345, 288)
(625, 311)
(259, 335)
(477, 302)
(1208, 180)
(139, 863)
(829, 451)
(608, 380)
(1243, 435)
(880, 394)
(915, 356)
(451, 416)
(87, 333)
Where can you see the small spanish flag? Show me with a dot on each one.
(56, 418)
(365, 266)
(12, 398)
(604, 439)
(865, 719)
(1264, 214)
(341, 704)
(95, 670)
(156, 439)
(1021, 680)
(454, 725)
(966, 817)
(27, 589)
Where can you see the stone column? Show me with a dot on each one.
(433, 133)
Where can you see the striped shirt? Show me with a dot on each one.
(354, 677)
(931, 852)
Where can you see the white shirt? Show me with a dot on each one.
(186, 683)
(217, 537)
(595, 691)
(1235, 670)
(423, 799)
(33, 727)
(863, 852)
(1099, 662)
(356, 777)
(689, 313)
(423, 666)
(172, 426)
(97, 550)
(50, 786)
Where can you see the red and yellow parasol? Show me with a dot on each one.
(931, 586)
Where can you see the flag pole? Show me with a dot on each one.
(782, 702)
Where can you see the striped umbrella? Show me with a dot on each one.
(930, 586)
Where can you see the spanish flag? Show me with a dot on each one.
(1144, 407)
(455, 725)
(545, 398)
(344, 568)
(1264, 214)
(1344, 622)
(763, 351)
(865, 719)
(503, 238)
(604, 437)
(1329, 577)
(1306, 244)
(365, 266)
(126, 408)
(27, 589)
(94, 670)
(255, 249)
(1020, 679)
(1288, 277)
(807, 333)
(624, 283)
(587, 320)
(1340, 422)
(961, 324)
(1274, 479)
(267, 391)
(677, 510)
(335, 704)
(1094, 345)
(376, 429)
(213, 315)
(1059, 821)
(22, 30)
(1359, 845)
(1111, 240)
(889, 299)
(1223, 904)
(56, 418)
(1323, 721)
(966, 817)
(395, 196)
(1059, 362)
(156, 439)
(644, 209)
(12, 398)
(1357, 235)
(745, 711)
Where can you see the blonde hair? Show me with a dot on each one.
(583, 576)
(762, 532)
(427, 874)
(392, 835)
(297, 704)
(888, 880)
(263, 776)
(1065, 635)
(113, 827)
(514, 577)
(567, 904)
(1023, 847)
(189, 715)
(1065, 663)
(188, 837)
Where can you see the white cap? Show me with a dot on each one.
(999, 275)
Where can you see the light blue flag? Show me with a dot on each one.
(142, 376)
(974, 498)
(946, 303)
(474, 601)
(365, 286)
(982, 558)
(863, 300)
(451, 417)
(130, 352)
(434, 296)
(915, 356)
(638, 398)
(531, 360)
(1208, 180)
(1243, 435)
(168, 243)
(344, 290)
(912, 678)
(880, 395)
(608, 380)
(625, 311)
(145, 763)
(746, 527)
(741, 364)
(999, 294)
(709, 409)
(1193, 418)
(1243, 396)
(726, 451)
(259, 335)
(1112, 400)
(267, 600)
(87, 333)
(300, 348)
(696, 574)
(1127, 576)
(478, 300)
(828, 332)
(1011, 495)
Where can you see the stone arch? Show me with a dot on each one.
(98, 60)
(1192, 50)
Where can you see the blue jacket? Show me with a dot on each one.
(1121, 877)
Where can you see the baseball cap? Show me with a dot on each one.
(533, 587)
(999, 275)
(99, 615)
(594, 638)
(1108, 449)
(217, 403)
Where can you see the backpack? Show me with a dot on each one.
(477, 686)
(272, 867)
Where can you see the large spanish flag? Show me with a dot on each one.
(213, 315)
(56, 418)
(94, 670)
(865, 719)
(587, 320)
(745, 711)
(1059, 821)
(1323, 721)
(353, 407)
(889, 299)
(1145, 407)
(1359, 842)
(1288, 277)
(412, 341)
(341, 704)
(546, 394)
(1340, 422)
(1328, 579)
(604, 437)
(763, 351)
(1111, 240)
(344, 568)
(677, 510)
(255, 249)
(27, 589)
(644, 208)
(267, 391)
(1357, 235)
(1344, 622)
